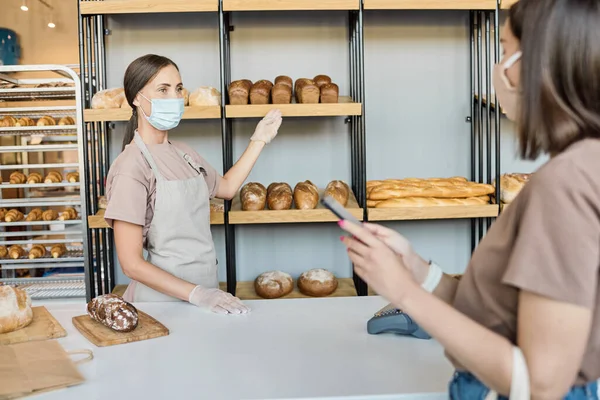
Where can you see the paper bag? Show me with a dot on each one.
(32, 367)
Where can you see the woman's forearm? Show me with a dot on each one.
(159, 280)
(237, 174)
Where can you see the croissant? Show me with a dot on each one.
(3, 252)
(3, 212)
(37, 251)
(49, 215)
(17, 178)
(46, 121)
(58, 250)
(13, 215)
(34, 177)
(15, 251)
(66, 121)
(34, 215)
(53, 177)
(25, 121)
(8, 121)
(68, 214)
(73, 177)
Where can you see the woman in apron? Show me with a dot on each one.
(524, 320)
(159, 193)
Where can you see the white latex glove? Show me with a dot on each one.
(217, 301)
(266, 130)
(401, 246)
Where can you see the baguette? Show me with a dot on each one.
(511, 185)
(260, 93)
(339, 190)
(464, 190)
(239, 92)
(253, 196)
(306, 195)
(321, 80)
(329, 93)
(279, 196)
(430, 202)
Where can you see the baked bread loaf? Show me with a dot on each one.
(273, 284)
(307, 91)
(68, 214)
(49, 215)
(37, 251)
(253, 196)
(3, 252)
(34, 178)
(511, 185)
(321, 80)
(260, 93)
(15, 309)
(66, 121)
(239, 92)
(34, 215)
(46, 121)
(329, 93)
(281, 93)
(15, 251)
(279, 196)
(102, 202)
(113, 312)
(317, 283)
(13, 215)
(205, 96)
(25, 121)
(339, 190)
(17, 178)
(8, 121)
(217, 206)
(285, 80)
(58, 250)
(441, 190)
(109, 98)
(306, 195)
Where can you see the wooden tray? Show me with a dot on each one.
(101, 336)
(43, 327)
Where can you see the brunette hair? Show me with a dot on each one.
(560, 73)
(141, 71)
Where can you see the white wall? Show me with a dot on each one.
(417, 98)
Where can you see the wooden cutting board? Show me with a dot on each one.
(101, 336)
(44, 326)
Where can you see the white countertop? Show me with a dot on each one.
(283, 349)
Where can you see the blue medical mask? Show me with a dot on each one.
(166, 113)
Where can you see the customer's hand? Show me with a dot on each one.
(377, 264)
(217, 301)
(413, 261)
(267, 128)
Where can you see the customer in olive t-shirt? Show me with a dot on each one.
(525, 317)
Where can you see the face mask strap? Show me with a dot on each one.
(509, 63)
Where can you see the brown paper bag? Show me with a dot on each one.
(32, 367)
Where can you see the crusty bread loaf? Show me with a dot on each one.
(113, 312)
(511, 185)
(458, 190)
(239, 92)
(321, 80)
(273, 284)
(329, 93)
(429, 202)
(279, 196)
(15, 309)
(306, 195)
(281, 93)
(260, 93)
(253, 196)
(317, 282)
(339, 190)
(205, 96)
(285, 80)
(109, 98)
(46, 121)
(307, 91)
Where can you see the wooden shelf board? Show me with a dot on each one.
(430, 5)
(436, 212)
(97, 221)
(506, 4)
(245, 290)
(345, 106)
(123, 114)
(146, 6)
(289, 5)
(319, 214)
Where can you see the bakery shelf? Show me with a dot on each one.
(38, 130)
(38, 148)
(485, 102)
(345, 106)
(76, 239)
(70, 257)
(41, 233)
(51, 287)
(97, 221)
(429, 4)
(433, 212)
(35, 94)
(38, 185)
(39, 166)
(38, 112)
(289, 5)
(95, 7)
(123, 114)
(319, 214)
(245, 290)
(37, 202)
(40, 223)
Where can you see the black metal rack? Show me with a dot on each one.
(484, 127)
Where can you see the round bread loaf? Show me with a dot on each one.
(15, 309)
(317, 283)
(273, 284)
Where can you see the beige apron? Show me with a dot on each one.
(179, 239)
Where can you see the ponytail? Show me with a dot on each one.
(130, 130)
